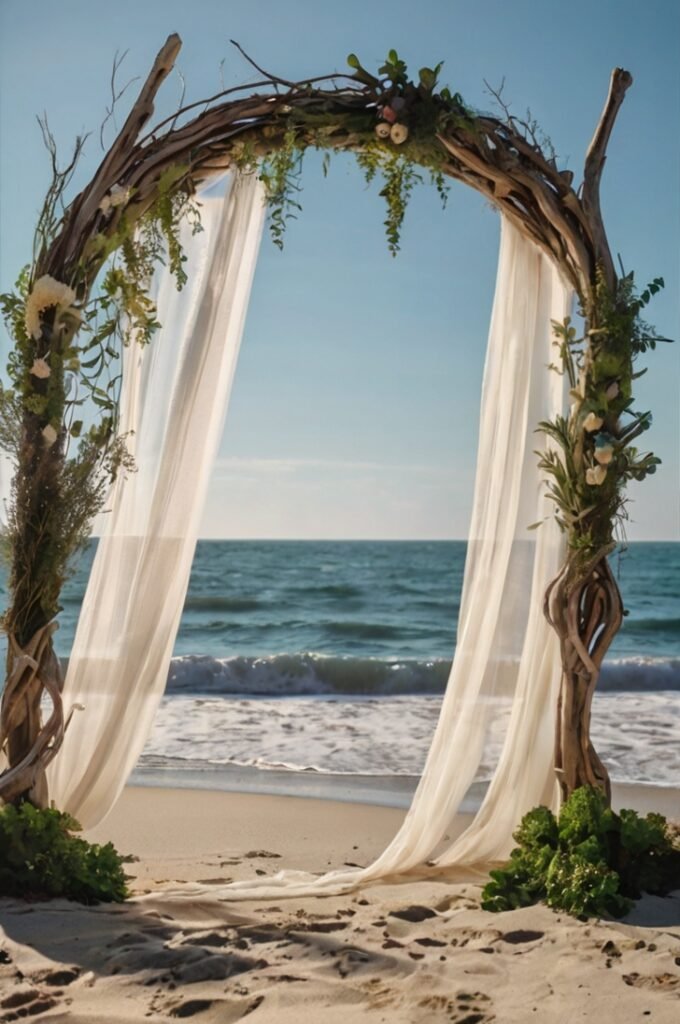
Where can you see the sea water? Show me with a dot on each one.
(332, 657)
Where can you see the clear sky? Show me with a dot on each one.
(355, 405)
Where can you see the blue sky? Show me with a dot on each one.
(356, 401)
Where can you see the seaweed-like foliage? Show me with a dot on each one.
(41, 858)
(589, 862)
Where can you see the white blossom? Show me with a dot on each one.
(46, 292)
(592, 422)
(398, 134)
(49, 434)
(604, 454)
(596, 476)
(40, 369)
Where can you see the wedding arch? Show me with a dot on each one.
(159, 200)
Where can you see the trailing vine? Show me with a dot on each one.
(392, 140)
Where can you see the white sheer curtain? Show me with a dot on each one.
(174, 400)
(507, 658)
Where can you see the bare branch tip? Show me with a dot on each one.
(622, 78)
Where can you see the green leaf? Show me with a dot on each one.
(428, 78)
(353, 61)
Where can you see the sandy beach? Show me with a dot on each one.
(415, 951)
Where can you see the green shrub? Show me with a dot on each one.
(40, 858)
(589, 862)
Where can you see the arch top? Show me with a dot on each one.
(385, 117)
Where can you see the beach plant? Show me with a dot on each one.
(589, 861)
(41, 857)
(84, 298)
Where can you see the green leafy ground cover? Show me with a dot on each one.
(589, 861)
(41, 858)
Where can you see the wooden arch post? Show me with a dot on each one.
(501, 158)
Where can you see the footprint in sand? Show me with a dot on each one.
(465, 1008)
(663, 982)
(25, 1002)
(59, 978)
(213, 1011)
(414, 914)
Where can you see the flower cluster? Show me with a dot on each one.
(47, 292)
(603, 452)
(389, 127)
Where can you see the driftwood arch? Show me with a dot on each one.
(495, 156)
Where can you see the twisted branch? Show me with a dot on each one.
(35, 670)
(583, 605)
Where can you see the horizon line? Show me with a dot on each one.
(403, 540)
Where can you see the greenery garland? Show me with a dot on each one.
(593, 457)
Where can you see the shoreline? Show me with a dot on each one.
(390, 791)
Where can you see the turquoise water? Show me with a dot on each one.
(370, 617)
(332, 657)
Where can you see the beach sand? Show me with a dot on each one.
(418, 951)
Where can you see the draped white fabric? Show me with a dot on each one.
(174, 400)
(507, 658)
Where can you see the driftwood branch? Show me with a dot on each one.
(584, 607)
(110, 170)
(496, 159)
(596, 157)
(29, 743)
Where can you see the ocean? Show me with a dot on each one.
(330, 658)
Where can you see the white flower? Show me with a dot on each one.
(612, 391)
(592, 422)
(398, 134)
(49, 434)
(40, 369)
(596, 476)
(46, 292)
(382, 130)
(604, 454)
(116, 196)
